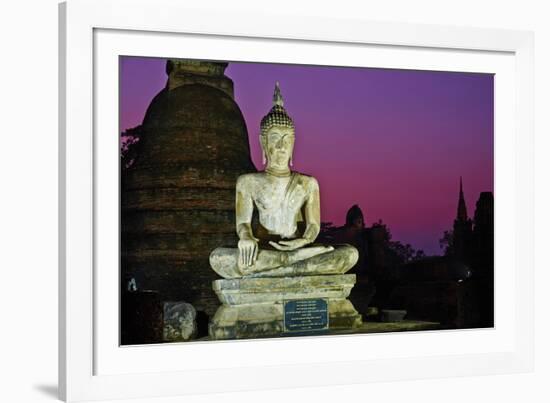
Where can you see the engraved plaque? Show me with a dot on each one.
(305, 315)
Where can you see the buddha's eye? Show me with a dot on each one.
(274, 138)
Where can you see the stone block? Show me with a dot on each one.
(254, 307)
(179, 321)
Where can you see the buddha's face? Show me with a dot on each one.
(278, 144)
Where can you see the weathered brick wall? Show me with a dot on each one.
(178, 198)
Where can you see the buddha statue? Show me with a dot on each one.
(288, 209)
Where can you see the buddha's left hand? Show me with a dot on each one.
(290, 245)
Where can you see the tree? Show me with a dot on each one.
(398, 252)
(327, 226)
(128, 150)
(385, 230)
(446, 243)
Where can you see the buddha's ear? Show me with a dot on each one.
(293, 135)
(263, 146)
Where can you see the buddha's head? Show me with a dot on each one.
(277, 134)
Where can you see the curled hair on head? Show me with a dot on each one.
(277, 116)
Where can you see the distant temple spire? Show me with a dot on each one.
(462, 230)
(461, 213)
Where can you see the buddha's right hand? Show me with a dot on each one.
(248, 252)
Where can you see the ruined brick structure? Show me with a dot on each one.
(178, 197)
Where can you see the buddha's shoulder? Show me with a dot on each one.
(249, 178)
(307, 180)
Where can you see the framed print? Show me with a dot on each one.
(345, 202)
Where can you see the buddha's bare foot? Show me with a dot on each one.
(306, 253)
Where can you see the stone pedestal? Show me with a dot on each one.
(254, 307)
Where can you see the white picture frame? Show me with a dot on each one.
(93, 366)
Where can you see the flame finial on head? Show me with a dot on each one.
(277, 97)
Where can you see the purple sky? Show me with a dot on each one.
(395, 142)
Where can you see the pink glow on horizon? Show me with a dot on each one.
(395, 142)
